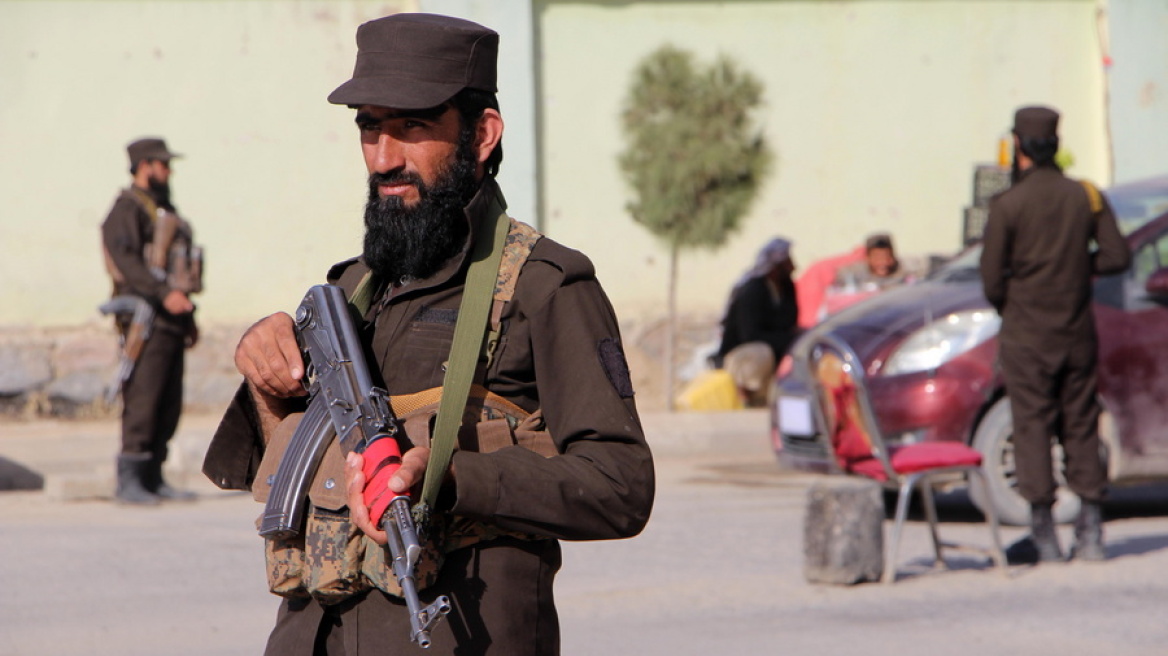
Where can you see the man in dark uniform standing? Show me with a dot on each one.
(1037, 267)
(161, 274)
(430, 132)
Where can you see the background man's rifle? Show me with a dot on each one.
(133, 339)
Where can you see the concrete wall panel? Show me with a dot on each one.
(878, 112)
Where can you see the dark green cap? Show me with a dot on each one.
(417, 61)
(151, 148)
(1036, 122)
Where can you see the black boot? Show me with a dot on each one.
(132, 472)
(156, 484)
(1022, 552)
(1089, 533)
(1043, 533)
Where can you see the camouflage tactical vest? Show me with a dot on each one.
(331, 559)
(171, 255)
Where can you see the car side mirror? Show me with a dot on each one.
(1157, 285)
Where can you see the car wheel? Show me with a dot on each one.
(994, 438)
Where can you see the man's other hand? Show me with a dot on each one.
(269, 358)
(409, 476)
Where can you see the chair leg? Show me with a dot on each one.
(930, 504)
(991, 514)
(902, 501)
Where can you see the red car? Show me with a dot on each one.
(929, 350)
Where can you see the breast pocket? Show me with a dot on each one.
(427, 343)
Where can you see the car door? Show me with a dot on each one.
(1133, 366)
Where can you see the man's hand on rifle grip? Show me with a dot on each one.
(409, 476)
(269, 357)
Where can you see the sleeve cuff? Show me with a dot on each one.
(476, 485)
(233, 456)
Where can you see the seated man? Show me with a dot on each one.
(813, 285)
(879, 270)
(761, 322)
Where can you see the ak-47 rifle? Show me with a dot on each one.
(141, 325)
(345, 404)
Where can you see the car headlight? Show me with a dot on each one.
(942, 340)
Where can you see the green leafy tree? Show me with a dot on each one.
(694, 157)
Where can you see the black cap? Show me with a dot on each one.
(878, 240)
(417, 61)
(151, 148)
(1036, 123)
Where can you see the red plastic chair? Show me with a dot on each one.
(857, 447)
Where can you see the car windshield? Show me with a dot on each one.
(1135, 204)
(962, 268)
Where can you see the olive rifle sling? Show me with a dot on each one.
(1093, 196)
(469, 334)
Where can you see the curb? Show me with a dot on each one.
(73, 461)
(681, 434)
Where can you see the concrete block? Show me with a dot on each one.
(24, 367)
(16, 476)
(843, 531)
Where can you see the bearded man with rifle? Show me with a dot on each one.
(496, 368)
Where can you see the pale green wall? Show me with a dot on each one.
(1139, 87)
(239, 88)
(877, 111)
(272, 179)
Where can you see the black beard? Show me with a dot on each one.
(161, 192)
(403, 244)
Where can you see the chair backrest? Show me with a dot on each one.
(843, 408)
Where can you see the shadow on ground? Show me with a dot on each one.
(15, 476)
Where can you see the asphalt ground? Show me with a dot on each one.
(718, 569)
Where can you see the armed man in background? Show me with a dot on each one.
(155, 266)
(1037, 266)
(550, 447)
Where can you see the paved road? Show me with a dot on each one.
(718, 570)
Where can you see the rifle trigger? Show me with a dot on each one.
(341, 403)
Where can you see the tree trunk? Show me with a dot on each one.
(671, 329)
